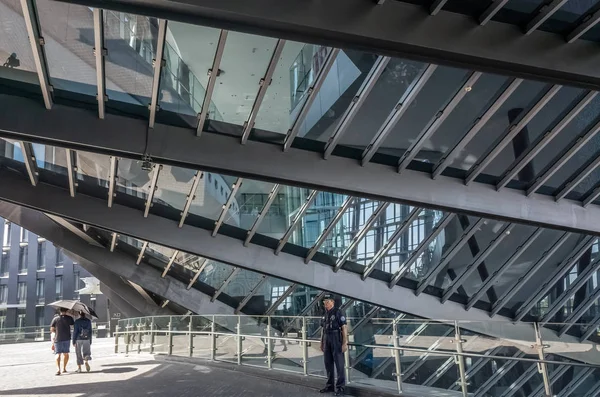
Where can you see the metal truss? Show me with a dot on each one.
(556, 276)
(158, 64)
(112, 179)
(487, 284)
(591, 197)
(503, 300)
(556, 375)
(543, 140)
(451, 154)
(213, 73)
(234, 189)
(327, 231)
(306, 309)
(391, 242)
(577, 178)
(437, 120)
(191, 196)
(397, 112)
(142, 252)
(449, 254)
(508, 365)
(264, 84)
(99, 53)
(156, 168)
(544, 13)
(32, 24)
(511, 132)
(572, 319)
(113, 241)
(588, 22)
(203, 264)
(592, 327)
(299, 214)
(30, 162)
(437, 6)
(383, 331)
(311, 94)
(491, 11)
(263, 212)
(218, 292)
(72, 171)
(367, 317)
(360, 235)
(356, 103)
(250, 294)
(476, 367)
(594, 391)
(423, 357)
(281, 299)
(74, 229)
(170, 263)
(576, 382)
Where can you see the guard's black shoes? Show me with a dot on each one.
(339, 392)
(326, 390)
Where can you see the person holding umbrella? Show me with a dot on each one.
(82, 341)
(61, 326)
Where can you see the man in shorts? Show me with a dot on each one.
(61, 326)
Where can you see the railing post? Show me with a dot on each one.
(239, 340)
(542, 367)
(152, 335)
(269, 345)
(139, 348)
(347, 364)
(213, 340)
(191, 329)
(116, 339)
(127, 337)
(398, 372)
(304, 348)
(461, 360)
(170, 338)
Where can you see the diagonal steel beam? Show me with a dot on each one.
(358, 358)
(264, 84)
(299, 214)
(213, 73)
(191, 196)
(556, 164)
(580, 311)
(235, 271)
(250, 294)
(263, 212)
(157, 64)
(440, 371)
(477, 366)
(170, 263)
(327, 231)
(544, 13)
(479, 258)
(437, 120)
(558, 274)
(142, 252)
(508, 365)
(512, 131)
(489, 282)
(397, 112)
(234, 189)
(356, 103)
(539, 391)
(367, 317)
(491, 11)
(359, 236)
(112, 179)
(576, 382)
(281, 299)
(577, 178)
(113, 241)
(423, 357)
(451, 253)
(157, 168)
(30, 162)
(450, 155)
(437, 6)
(591, 196)
(414, 255)
(543, 140)
(594, 390)
(72, 171)
(37, 42)
(588, 23)
(203, 264)
(593, 327)
(311, 94)
(100, 52)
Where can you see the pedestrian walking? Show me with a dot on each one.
(61, 326)
(82, 341)
(334, 343)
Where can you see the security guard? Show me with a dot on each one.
(334, 343)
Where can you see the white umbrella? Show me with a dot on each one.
(74, 307)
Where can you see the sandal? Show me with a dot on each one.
(57, 373)
(87, 367)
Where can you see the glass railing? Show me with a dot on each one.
(40, 333)
(421, 357)
(304, 69)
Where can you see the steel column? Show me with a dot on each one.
(250, 294)
(460, 360)
(227, 281)
(397, 363)
(72, 171)
(100, 52)
(491, 11)
(141, 254)
(203, 265)
(170, 263)
(234, 189)
(542, 367)
(299, 214)
(588, 23)
(191, 196)
(30, 161)
(157, 64)
(113, 241)
(112, 180)
(157, 168)
(544, 13)
(213, 73)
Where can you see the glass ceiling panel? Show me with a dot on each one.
(173, 186)
(68, 32)
(242, 284)
(132, 241)
(211, 194)
(575, 165)
(249, 201)
(12, 150)
(15, 50)
(93, 165)
(317, 218)
(215, 273)
(518, 12)
(132, 179)
(282, 212)
(189, 54)
(567, 15)
(161, 252)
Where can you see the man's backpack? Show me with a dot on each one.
(84, 334)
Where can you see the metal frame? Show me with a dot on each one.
(554, 376)
(325, 233)
(541, 366)
(593, 327)
(591, 197)
(191, 196)
(198, 272)
(282, 298)
(113, 241)
(419, 361)
(37, 43)
(72, 171)
(234, 189)
(100, 52)
(478, 365)
(263, 212)
(264, 84)
(572, 319)
(360, 235)
(449, 156)
(508, 365)
(112, 179)
(157, 168)
(311, 94)
(577, 178)
(491, 11)
(356, 103)
(397, 112)
(74, 229)
(299, 214)
(250, 294)
(157, 65)
(170, 263)
(544, 13)
(30, 162)
(141, 254)
(437, 120)
(594, 391)
(213, 73)
(520, 381)
(544, 140)
(218, 292)
(589, 22)
(400, 230)
(576, 382)
(437, 6)
(495, 149)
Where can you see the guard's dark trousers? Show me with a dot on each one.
(333, 356)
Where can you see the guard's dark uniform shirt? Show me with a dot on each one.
(332, 323)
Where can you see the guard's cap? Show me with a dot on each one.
(328, 296)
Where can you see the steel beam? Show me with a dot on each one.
(576, 382)
(476, 367)
(521, 380)
(588, 23)
(360, 235)
(203, 265)
(112, 180)
(554, 376)
(423, 357)
(37, 43)
(191, 196)
(594, 391)
(499, 304)
(591, 197)
(234, 189)
(30, 161)
(170, 263)
(396, 114)
(100, 52)
(263, 84)
(263, 212)
(72, 171)
(580, 311)
(141, 254)
(437, 6)
(157, 64)
(437, 120)
(577, 178)
(157, 168)
(544, 13)
(356, 103)
(280, 300)
(213, 73)
(508, 365)
(327, 231)
(593, 327)
(218, 292)
(543, 140)
(311, 94)
(491, 11)
(451, 154)
(299, 214)
(250, 294)
(451, 253)
(113, 241)
(512, 131)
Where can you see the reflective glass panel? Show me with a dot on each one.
(93, 165)
(519, 12)
(160, 252)
(173, 186)
(249, 202)
(242, 284)
(15, 48)
(132, 179)
(318, 216)
(282, 212)
(68, 31)
(567, 15)
(215, 273)
(211, 194)
(274, 289)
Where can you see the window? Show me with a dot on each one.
(40, 291)
(23, 260)
(76, 285)
(276, 293)
(24, 237)
(20, 318)
(2, 319)
(22, 292)
(59, 257)
(41, 256)
(59, 287)
(6, 236)
(4, 264)
(40, 316)
(3, 294)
